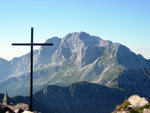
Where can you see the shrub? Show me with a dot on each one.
(123, 106)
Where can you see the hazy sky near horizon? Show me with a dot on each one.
(123, 21)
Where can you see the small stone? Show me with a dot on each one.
(19, 111)
(146, 111)
(122, 112)
(28, 112)
(130, 106)
(8, 112)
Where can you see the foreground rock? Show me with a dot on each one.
(19, 108)
(5, 108)
(8, 107)
(137, 101)
(134, 104)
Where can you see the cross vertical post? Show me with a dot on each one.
(31, 73)
(31, 62)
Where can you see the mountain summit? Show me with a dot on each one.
(78, 57)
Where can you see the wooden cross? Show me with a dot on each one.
(31, 60)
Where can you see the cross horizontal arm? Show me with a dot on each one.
(35, 44)
(21, 44)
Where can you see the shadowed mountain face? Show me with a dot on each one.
(135, 81)
(4, 65)
(74, 58)
(82, 97)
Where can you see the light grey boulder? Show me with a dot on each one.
(137, 101)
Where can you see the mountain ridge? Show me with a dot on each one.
(80, 97)
(76, 57)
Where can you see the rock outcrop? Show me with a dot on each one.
(5, 108)
(8, 107)
(134, 104)
(137, 101)
(19, 108)
(6, 100)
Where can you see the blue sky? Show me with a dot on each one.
(123, 21)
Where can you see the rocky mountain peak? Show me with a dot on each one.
(2, 60)
(82, 37)
(53, 39)
(76, 34)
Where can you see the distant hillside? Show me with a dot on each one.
(79, 97)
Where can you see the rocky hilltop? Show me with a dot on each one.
(77, 57)
(7, 107)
